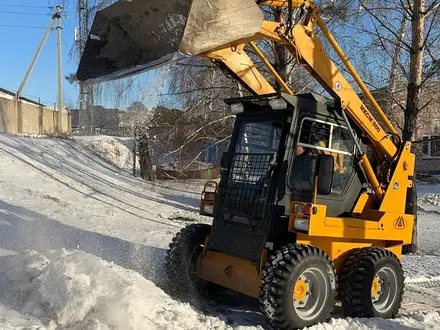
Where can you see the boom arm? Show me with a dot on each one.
(310, 52)
(237, 62)
(304, 43)
(129, 37)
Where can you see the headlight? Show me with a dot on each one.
(208, 209)
(298, 208)
(237, 108)
(301, 224)
(302, 209)
(278, 104)
(209, 197)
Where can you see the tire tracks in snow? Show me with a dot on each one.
(422, 294)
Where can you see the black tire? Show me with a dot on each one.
(362, 267)
(181, 262)
(280, 275)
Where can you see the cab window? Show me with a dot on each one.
(317, 137)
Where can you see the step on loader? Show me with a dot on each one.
(311, 204)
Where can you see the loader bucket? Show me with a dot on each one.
(214, 24)
(130, 37)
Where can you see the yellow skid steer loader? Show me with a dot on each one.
(311, 204)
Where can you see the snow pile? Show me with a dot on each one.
(70, 289)
(110, 149)
(57, 193)
(75, 290)
(188, 216)
(429, 202)
(413, 321)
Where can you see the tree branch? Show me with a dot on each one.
(424, 106)
(430, 28)
(194, 134)
(385, 26)
(433, 6)
(407, 7)
(201, 152)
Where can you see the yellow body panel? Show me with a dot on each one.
(365, 202)
(235, 273)
(241, 64)
(395, 196)
(378, 219)
(374, 225)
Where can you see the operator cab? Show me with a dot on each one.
(271, 162)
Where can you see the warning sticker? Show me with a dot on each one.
(400, 223)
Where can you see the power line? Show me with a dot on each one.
(35, 73)
(22, 6)
(23, 26)
(21, 13)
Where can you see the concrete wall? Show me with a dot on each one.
(28, 118)
(8, 116)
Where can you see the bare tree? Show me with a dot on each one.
(393, 80)
(139, 119)
(198, 87)
(420, 47)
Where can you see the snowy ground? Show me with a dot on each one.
(115, 150)
(108, 233)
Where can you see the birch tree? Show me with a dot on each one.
(416, 54)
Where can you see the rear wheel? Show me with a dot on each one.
(298, 287)
(181, 262)
(372, 283)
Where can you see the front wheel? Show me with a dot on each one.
(298, 287)
(181, 262)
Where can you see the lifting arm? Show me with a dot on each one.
(302, 41)
(236, 61)
(122, 43)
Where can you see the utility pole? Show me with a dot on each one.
(85, 90)
(60, 73)
(34, 60)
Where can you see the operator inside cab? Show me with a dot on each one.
(315, 138)
(303, 168)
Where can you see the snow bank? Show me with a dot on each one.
(75, 290)
(109, 148)
(429, 202)
(409, 322)
(70, 289)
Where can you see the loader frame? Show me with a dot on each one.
(367, 224)
(307, 229)
(377, 219)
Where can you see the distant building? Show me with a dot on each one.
(103, 120)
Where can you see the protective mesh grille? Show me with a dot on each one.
(246, 189)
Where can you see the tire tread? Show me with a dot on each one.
(355, 287)
(274, 279)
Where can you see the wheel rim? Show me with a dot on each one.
(384, 289)
(195, 256)
(310, 293)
